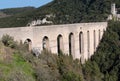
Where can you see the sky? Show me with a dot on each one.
(22, 3)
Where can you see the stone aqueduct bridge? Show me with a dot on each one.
(80, 39)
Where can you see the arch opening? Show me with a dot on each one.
(81, 42)
(99, 35)
(103, 30)
(88, 43)
(28, 43)
(71, 44)
(60, 44)
(94, 35)
(45, 43)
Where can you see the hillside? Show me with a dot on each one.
(64, 11)
(2, 15)
(107, 56)
(15, 16)
(18, 64)
(14, 11)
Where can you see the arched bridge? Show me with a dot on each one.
(80, 39)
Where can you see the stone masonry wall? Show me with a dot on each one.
(86, 41)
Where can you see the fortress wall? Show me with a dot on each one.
(36, 35)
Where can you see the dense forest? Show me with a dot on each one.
(18, 64)
(64, 11)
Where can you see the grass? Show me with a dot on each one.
(22, 64)
(16, 68)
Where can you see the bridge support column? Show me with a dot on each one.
(97, 38)
(77, 51)
(91, 42)
(66, 44)
(53, 46)
(85, 48)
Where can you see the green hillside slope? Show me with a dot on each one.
(14, 11)
(65, 11)
(17, 64)
(108, 53)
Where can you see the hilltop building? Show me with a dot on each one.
(114, 15)
(39, 22)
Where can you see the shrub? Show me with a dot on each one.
(9, 41)
(70, 76)
(46, 68)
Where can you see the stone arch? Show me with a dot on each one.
(60, 45)
(81, 42)
(45, 43)
(28, 42)
(88, 43)
(94, 40)
(71, 44)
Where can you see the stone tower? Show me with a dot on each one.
(113, 9)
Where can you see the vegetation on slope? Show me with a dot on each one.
(15, 17)
(13, 67)
(108, 54)
(65, 11)
(17, 64)
(14, 11)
